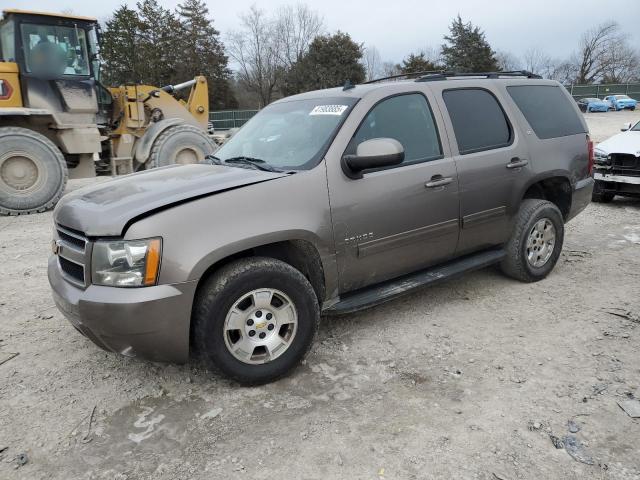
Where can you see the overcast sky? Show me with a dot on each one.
(398, 27)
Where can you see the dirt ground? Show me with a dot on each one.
(478, 378)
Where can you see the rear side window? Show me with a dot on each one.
(547, 109)
(479, 122)
(406, 118)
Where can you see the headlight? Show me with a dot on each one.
(601, 157)
(126, 263)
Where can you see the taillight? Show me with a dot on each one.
(590, 150)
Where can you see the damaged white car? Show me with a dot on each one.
(617, 165)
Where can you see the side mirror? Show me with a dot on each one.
(374, 153)
(625, 127)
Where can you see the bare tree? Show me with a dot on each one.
(433, 55)
(564, 72)
(295, 28)
(593, 54)
(254, 48)
(623, 62)
(390, 68)
(537, 61)
(507, 61)
(372, 62)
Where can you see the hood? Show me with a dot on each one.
(625, 142)
(106, 209)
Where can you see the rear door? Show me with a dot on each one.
(400, 219)
(492, 163)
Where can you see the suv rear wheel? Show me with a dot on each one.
(536, 242)
(255, 319)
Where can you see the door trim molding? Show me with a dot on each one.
(428, 232)
(478, 218)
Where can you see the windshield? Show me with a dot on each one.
(591, 100)
(636, 127)
(290, 135)
(54, 51)
(621, 97)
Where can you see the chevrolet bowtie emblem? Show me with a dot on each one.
(56, 247)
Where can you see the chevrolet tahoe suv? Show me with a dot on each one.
(325, 202)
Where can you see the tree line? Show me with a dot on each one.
(289, 50)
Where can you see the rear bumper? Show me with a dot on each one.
(149, 322)
(581, 196)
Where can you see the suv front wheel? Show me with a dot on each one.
(255, 319)
(536, 242)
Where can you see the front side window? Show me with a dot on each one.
(291, 135)
(55, 51)
(407, 119)
(478, 120)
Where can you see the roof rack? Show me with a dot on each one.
(430, 75)
(404, 75)
(445, 75)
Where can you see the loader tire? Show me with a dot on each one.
(181, 144)
(33, 172)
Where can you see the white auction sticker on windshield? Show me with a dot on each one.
(328, 110)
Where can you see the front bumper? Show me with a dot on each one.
(618, 184)
(581, 196)
(149, 322)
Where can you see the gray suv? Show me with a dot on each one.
(323, 203)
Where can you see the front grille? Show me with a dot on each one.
(73, 250)
(625, 164)
(72, 269)
(72, 238)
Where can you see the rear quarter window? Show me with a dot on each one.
(547, 109)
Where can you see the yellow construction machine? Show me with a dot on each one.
(57, 120)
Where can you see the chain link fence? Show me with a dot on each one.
(227, 119)
(601, 91)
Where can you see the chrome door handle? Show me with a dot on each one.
(518, 162)
(438, 181)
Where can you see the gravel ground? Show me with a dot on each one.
(475, 378)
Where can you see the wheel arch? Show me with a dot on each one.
(145, 143)
(298, 251)
(554, 187)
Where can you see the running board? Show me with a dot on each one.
(391, 289)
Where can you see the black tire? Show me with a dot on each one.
(33, 172)
(219, 294)
(600, 196)
(180, 144)
(515, 263)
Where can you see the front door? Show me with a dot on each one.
(401, 219)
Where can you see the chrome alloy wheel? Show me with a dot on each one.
(540, 243)
(260, 326)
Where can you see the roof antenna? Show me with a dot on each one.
(347, 85)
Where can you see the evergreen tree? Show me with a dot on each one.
(330, 61)
(467, 49)
(158, 34)
(202, 53)
(118, 50)
(417, 63)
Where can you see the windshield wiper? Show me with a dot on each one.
(254, 162)
(212, 160)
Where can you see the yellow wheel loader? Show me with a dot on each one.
(57, 121)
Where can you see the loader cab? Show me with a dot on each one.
(57, 59)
